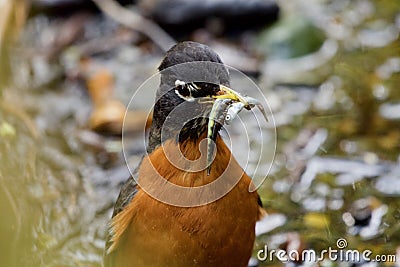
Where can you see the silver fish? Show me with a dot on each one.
(217, 115)
(225, 110)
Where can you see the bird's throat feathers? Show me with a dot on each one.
(185, 163)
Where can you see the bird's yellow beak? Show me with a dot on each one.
(228, 93)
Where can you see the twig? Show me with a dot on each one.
(135, 21)
(6, 7)
(12, 19)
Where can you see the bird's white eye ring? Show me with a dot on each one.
(179, 83)
(189, 98)
(180, 86)
(193, 86)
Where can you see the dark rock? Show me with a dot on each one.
(64, 7)
(189, 15)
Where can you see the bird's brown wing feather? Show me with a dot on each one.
(127, 193)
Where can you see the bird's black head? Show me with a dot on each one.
(192, 78)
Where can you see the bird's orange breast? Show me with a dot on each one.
(150, 232)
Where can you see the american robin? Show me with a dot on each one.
(174, 210)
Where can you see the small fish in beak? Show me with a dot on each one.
(233, 111)
(226, 107)
(217, 115)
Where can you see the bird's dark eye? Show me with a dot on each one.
(191, 90)
(207, 89)
(183, 90)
